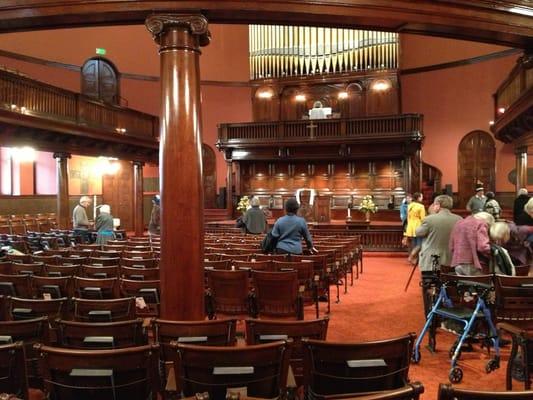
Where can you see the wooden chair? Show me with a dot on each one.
(149, 290)
(217, 264)
(28, 332)
(260, 331)
(103, 261)
(16, 285)
(13, 377)
(101, 335)
(86, 310)
(234, 257)
(61, 270)
(514, 299)
(90, 288)
(261, 369)
(307, 279)
(24, 309)
(271, 257)
(228, 293)
(448, 392)
(56, 287)
(142, 274)
(5, 268)
(129, 373)
(356, 368)
(320, 267)
(522, 340)
(276, 294)
(20, 258)
(46, 259)
(252, 265)
(107, 254)
(137, 254)
(139, 262)
(27, 269)
(411, 391)
(73, 260)
(91, 271)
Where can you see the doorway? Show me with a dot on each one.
(99, 80)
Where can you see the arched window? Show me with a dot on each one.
(100, 80)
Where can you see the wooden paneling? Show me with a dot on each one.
(118, 193)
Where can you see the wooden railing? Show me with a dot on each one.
(519, 81)
(23, 95)
(388, 126)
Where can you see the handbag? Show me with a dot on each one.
(268, 245)
(239, 223)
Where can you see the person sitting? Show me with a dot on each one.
(254, 219)
(80, 222)
(104, 225)
(470, 244)
(289, 230)
(317, 112)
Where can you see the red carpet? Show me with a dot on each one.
(377, 307)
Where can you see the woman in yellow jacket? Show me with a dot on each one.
(415, 214)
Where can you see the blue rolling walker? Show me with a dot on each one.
(443, 307)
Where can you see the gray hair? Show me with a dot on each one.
(528, 208)
(522, 191)
(255, 202)
(500, 232)
(485, 216)
(84, 199)
(444, 201)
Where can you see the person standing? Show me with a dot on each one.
(415, 214)
(492, 206)
(518, 205)
(80, 222)
(289, 231)
(254, 219)
(435, 231)
(477, 202)
(104, 225)
(403, 210)
(154, 226)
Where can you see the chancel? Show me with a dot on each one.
(346, 106)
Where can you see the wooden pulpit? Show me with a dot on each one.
(322, 207)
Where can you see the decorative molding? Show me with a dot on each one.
(196, 24)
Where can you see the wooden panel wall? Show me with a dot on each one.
(118, 193)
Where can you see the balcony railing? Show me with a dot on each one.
(27, 96)
(519, 81)
(395, 126)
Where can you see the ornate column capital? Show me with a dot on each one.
(196, 24)
(62, 155)
(137, 163)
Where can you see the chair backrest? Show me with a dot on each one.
(46, 259)
(411, 391)
(277, 294)
(514, 299)
(27, 269)
(103, 261)
(61, 270)
(129, 373)
(73, 260)
(89, 310)
(90, 288)
(255, 265)
(28, 332)
(56, 287)
(217, 264)
(107, 254)
(20, 258)
(332, 368)
(91, 271)
(101, 335)
(260, 331)
(139, 273)
(137, 254)
(220, 332)
(16, 285)
(139, 262)
(229, 292)
(262, 369)
(13, 377)
(448, 392)
(23, 309)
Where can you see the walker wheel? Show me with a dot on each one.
(491, 366)
(415, 358)
(455, 375)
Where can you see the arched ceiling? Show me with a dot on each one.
(502, 22)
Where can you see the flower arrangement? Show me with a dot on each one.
(367, 205)
(244, 204)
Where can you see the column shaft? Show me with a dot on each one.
(229, 188)
(138, 220)
(63, 210)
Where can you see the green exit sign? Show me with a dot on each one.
(100, 51)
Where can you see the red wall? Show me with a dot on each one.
(454, 101)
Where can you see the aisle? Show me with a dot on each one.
(377, 307)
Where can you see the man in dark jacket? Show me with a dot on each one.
(518, 206)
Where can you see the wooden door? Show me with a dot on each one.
(210, 176)
(99, 80)
(476, 162)
(117, 191)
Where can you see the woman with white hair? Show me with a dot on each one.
(254, 219)
(104, 225)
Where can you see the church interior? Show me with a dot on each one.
(196, 108)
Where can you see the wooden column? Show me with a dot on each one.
(180, 164)
(138, 220)
(229, 182)
(63, 209)
(521, 167)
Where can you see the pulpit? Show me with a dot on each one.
(322, 207)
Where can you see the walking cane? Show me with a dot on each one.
(410, 277)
